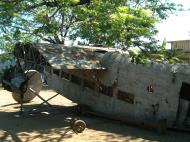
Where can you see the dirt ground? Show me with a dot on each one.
(49, 126)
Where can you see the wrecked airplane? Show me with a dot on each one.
(104, 81)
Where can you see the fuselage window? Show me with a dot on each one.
(75, 80)
(89, 84)
(150, 89)
(127, 97)
(64, 75)
(55, 71)
(106, 90)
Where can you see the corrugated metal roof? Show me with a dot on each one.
(178, 40)
(64, 57)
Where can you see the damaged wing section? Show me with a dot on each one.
(64, 57)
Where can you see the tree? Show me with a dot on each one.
(113, 24)
(48, 20)
(159, 53)
(160, 8)
(121, 23)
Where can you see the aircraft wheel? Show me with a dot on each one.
(78, 126)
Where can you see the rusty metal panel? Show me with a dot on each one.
(64, 57)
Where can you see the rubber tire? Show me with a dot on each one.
(78, 126)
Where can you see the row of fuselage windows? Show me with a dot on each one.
(106, 90)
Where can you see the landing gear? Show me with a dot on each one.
(76, 124)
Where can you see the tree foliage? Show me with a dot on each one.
(122, 23)
(114, 24)
(158, 54)
(160, 8)
(48, 20)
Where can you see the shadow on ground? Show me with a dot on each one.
(49, 126)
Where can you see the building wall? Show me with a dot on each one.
(184, 45)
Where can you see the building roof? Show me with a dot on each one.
(178, 40)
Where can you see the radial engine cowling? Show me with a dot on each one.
(22, 83)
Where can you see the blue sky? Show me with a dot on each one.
(177, 26)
